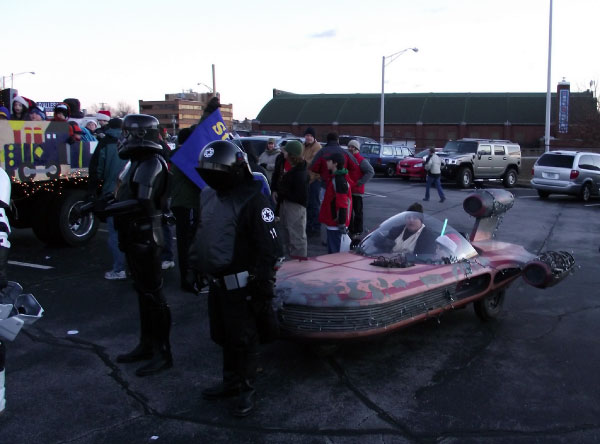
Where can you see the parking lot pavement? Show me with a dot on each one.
(529, 376)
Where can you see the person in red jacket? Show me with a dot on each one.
(319, 162)
(336, 208)
(359, 178)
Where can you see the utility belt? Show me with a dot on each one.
(232, 281)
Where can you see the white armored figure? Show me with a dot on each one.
(16, 308)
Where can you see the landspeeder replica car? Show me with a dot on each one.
(378, 288)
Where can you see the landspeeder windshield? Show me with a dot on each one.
(417, 237)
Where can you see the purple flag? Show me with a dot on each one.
(186, 157)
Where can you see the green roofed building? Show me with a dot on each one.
(429, 119)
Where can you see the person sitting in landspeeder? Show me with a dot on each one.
(412, 237)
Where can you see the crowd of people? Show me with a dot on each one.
(82, 127)
(230, 236)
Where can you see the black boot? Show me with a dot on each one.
(162, 359)
(143, 351)
(231, 384)
(244, 403)
(246, 363)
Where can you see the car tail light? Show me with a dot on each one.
(532, 171)
(574, 174)
(379, 160)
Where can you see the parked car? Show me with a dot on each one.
(259, 143)
(466, 160)
(413, 166)
(345, 138)
(372, 290)
(384, 159)
(567, 172)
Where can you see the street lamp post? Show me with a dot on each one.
(390, 59)
(12, 77)
(548, 94)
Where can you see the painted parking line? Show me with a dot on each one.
(373, 194)
(25, 264)
(592, 205)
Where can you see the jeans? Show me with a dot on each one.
(334, 240)
(113, 243)
(438, 184)
(314, 205)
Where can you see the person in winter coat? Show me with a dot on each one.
(88, 126)
(267, 158)
(336, 208)
(107, 170)
(311, 147)
(319, 163)
(433, 167)
(359, 178)
(292, 198)
(185, 204)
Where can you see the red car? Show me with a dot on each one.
(377, 288)
(413, 166)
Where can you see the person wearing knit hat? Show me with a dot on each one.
(115, 123)
(293, 148)
(88, 126)
(311, 147)
(35, 114)
(20, 106)
(292, 198)
(359, 178)
(4, 113)
(61, 112)
(336, 209)
(413, 236)
(267, 158)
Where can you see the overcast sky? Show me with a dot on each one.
(110, 51)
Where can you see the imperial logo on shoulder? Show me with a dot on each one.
(268, 215)
(209, 152)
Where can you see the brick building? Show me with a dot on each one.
(182, 110)
(429, 119)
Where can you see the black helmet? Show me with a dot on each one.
(222, 165)
(140, 135)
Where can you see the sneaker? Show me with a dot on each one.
(115, 275)
(167, 264)
(442, 200)
(426, 199)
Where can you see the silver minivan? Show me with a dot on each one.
(567, 172)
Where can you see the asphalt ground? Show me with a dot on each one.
(531, 375)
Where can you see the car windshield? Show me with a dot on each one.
(455, 146)
(392, 242)
(422, 154)
(369, 148)
(556, 160)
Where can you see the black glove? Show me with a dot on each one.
(212, 105)
(261, 288)
(343, 228)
